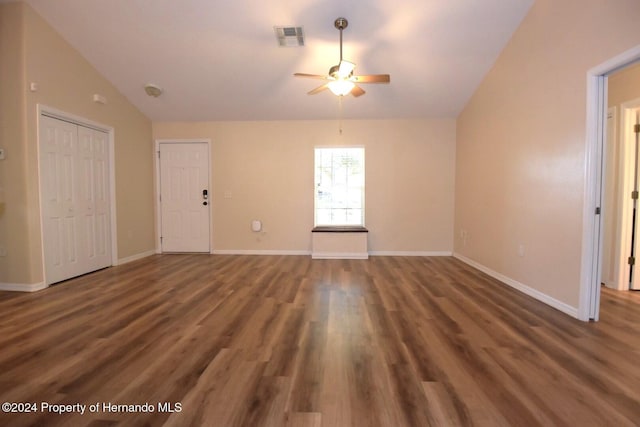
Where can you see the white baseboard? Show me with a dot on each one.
(258, 252)
(22, 287)
(135, 257)
(329, 255)
(542, 297)
(338, 255)
(410, 253)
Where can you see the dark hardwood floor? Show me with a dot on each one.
(290, 341)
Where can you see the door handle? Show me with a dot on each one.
(205, 194)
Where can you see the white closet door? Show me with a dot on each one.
(74, 183)
(93, 198)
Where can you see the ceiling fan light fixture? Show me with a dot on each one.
(340, 87)
(341, 80)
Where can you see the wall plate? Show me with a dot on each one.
(1, 153)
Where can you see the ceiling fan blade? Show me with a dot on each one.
(345, 68)
(373, 78)
(311, 76)
(357, 91)
(318, 89)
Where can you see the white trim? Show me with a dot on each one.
(542, 297)
(258, 252)
(135, 257)
(330, 256)
(158, 207)
(410, 253)
(339, 255)
(589, 303)
(110, 131)
(594, 164)
(23, 287)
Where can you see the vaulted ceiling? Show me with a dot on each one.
(219, 60)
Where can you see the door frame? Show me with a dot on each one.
(158, 206)
(592, 224)
(45, 110)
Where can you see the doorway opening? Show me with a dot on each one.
(595, 192)
(631, 129)
(621, 206)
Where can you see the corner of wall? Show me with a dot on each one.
(15, 266)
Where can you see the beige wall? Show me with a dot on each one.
(624, 85)
(13, 179)
(67, 82)
(520, 162)
(268, 167)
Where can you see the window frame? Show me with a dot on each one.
(315, 185)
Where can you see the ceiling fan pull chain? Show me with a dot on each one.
(340, 115)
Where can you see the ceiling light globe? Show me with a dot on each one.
(341, 87)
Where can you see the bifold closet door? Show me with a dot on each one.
(74, 174)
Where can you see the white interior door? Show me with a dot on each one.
(93, 198)
(74, 170)
(184, 198)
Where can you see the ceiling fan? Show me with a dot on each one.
(341, 80)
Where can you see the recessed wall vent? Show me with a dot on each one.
(289, 36)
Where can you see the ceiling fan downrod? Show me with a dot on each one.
(341, 24)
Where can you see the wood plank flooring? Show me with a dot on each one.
(290, 341)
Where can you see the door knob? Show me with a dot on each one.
(205, 203)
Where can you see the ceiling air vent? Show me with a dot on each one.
(289, 36)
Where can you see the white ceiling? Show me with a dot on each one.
(219, 60)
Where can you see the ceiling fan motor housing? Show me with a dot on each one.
(333, 72)
(341, 23)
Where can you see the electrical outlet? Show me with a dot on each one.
(464, 235)
(521, 250)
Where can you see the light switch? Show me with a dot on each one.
(1, 153)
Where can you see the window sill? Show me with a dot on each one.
(339, 229)
(339, 242)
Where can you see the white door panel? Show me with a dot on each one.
(94, 197)
(184, 175)
(75, 199)
(58, 151)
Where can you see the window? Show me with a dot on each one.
(339, 186)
